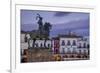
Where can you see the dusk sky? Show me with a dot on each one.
(62, 22)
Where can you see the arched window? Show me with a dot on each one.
(36, 45)
(49, 45)
(74, 42)
(68, 43)
(63, 42)
(41, 45)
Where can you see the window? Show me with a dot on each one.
(63, 50)
(36, 45)
(88, 46)
(41, 45)
(68, 50)
(74, 43)
(84, 51)
(74, 50)
(84, 45)
(48, 45)
(79, 45)
(63, 42)
(80, 51)
(68, 43)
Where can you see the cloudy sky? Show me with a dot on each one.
(62, 22)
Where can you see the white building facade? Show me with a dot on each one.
(83, 46)
(73, 45)
(43, 43)
(64, 44)
(24, 41)
(68, 45)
